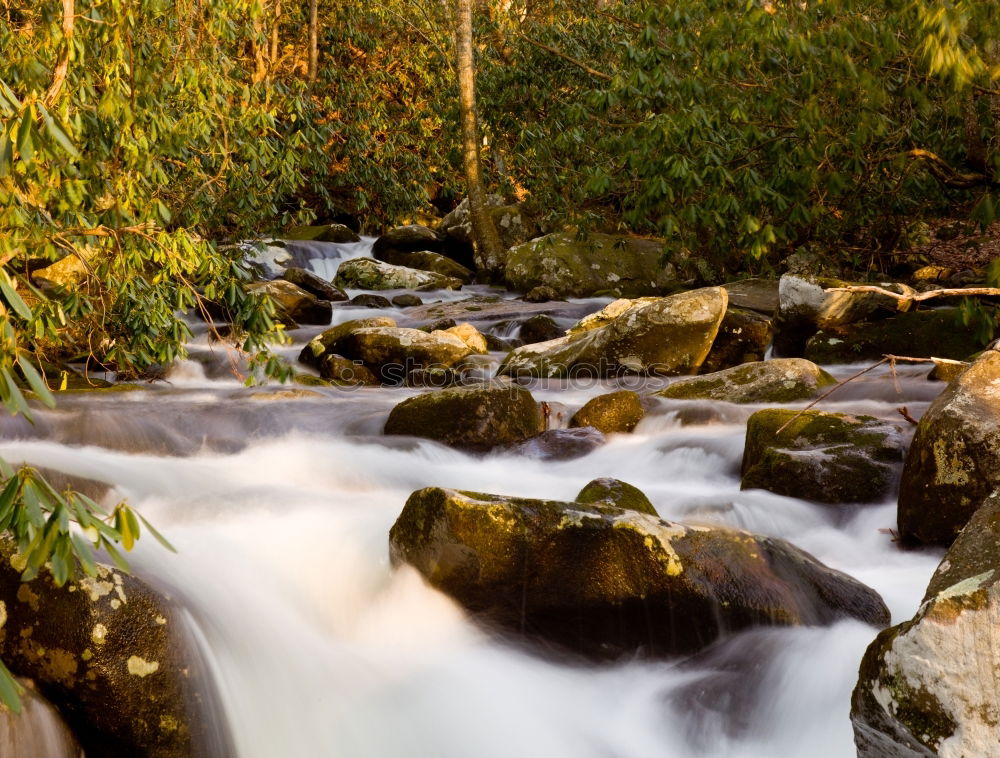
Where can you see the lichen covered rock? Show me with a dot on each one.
(370, 274)
(600, 263)
(782, 380)
(603, 581)
(293, 303)
(313, 284)
(954, 460)
(824, 457)
(666, 336)
(321, 344)
(614, 412)
(475, 418)
(392, 352)
(425, 260)
(928, 687)
(617, 493)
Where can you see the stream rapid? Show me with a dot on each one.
(279, 500)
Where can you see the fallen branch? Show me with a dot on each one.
(912, 296)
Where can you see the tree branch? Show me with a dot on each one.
(947, 175)
(567, 58)
(911, 296)
(62, 67)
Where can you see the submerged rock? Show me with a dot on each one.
(614, 412)
(293, 303)
(616, 493)
(667, 336)
(370, 301)
(370, 274)
(600, 263)
(603, 581)
(113, 654)
(928, 687)
(824, 457)
(782, 380)
(559, 444)
(954, 460)
(540, 328)
(475, 418)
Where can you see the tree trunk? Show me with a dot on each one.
(489, 252)
(313, 39)
(275, 35)
(62, 67)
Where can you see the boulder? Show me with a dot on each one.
(559, 444)
(781, 380)
(313, 284)
(542, 294)
(743, 337)
(928, 687)
(824, 457)
(293, 303)
(919, 334)
(540, 328)
(805, 306)
(615, 412)
(954, 460)
(321, 343)
(425, 260)
(475, 341)
(406, 239)
(38, 731)
(370, 301)
(407, 301)
(513, 225)
(391, 352)
(321, 233)
(609, 313)
(115, 656)
(370, 274)
(582, 267)
(475, 418)
(760, 295)
(666, 336)
(340, 370)
(604, 581)
(615, 492)
(946, 369)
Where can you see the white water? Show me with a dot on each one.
(281, 509)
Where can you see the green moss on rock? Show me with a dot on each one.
(614, 412)
(782, 380)
(617, 493)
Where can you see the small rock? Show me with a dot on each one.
(743, 337)
(314, 284)
(945, 370)
(342, 371)
(407, 301)
(470, 336)
(542, 294)
(370, 301)
(560, 444)
(540, 328)
(615, 412)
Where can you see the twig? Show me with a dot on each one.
(569, 59)
(905, 413)
(830, 391)
(916, 297)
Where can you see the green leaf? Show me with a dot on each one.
(159, 537)
(36, 383)
(56, 132)
(13, 299)
(10, 690)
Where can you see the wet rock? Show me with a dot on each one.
(313, 284)
(542, 294)
(38, 731)
(823, 457)
(294, 303)
(920, 334)
(616, 493)
(425, 260)
(928, 687)
(601, 263)
(513, 226)
(609, 313)
(667, 336)
(113, 654)
(475, 418)
(370, 274)
(370, 301)
(322, 343)
(743, 337)
(340, 370)
(433, 378)
(782, 380)
(602, 581)
(411, 238)
(407, 301)
(470, 336)
(540, 328)
(322, 233)
(954, 460)
(490, 308)
(945, 369)
(560, 444)
(805, 306)
(391, 352)
(760, 295)
(615, 412)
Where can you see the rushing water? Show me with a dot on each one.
(280, 505)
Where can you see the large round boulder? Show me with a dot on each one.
(613, 412)
(117, 659)
(370, 274)
(596, 264)
(604, 581)
(782, 380)
(824, 457)
(928, 687)
(954, 460)
(665, 336)
(392, 352)
(476, 418)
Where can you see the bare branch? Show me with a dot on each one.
(567, 58)
(912, 296)
(62, 67)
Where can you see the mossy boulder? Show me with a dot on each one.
(392, 352)
(313, 284)
(928, 687)
(920, 334)
(425, 260)
(614, 412)
(781, 380)
(340, 370)
(599, 263)
(824, 457)
(743, 337)
(370, 274)
(666, 336)
(616, 493)
(476, 418)
(514, 227)
(294, 304)
(603, 581)
(115, 656)
(321, 233)
(954, 460)
(322, 343)
(805, 306)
